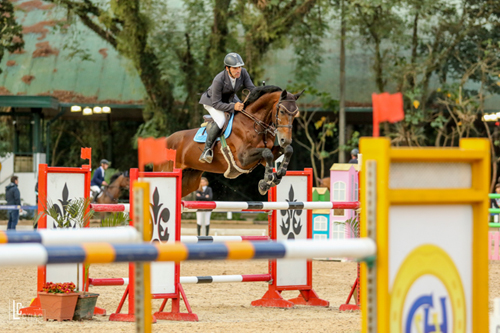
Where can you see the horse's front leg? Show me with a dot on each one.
(269, 177)
(284, 165)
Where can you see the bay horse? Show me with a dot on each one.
(268, 115)
(110, 194)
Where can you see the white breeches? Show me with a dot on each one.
(95, 188)
(203, 218)
(218, 116)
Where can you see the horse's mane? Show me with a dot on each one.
(115, 177)
(258, 92)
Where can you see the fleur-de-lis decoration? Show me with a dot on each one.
(291, 221)
(160, 219)
(64, 203)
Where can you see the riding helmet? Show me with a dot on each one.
(104, 161)
(233, 60)
(355, 152)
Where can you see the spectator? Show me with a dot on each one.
(13, 197)
(354, 156)
(204, 193)
(98, 178)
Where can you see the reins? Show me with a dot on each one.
(270, 128)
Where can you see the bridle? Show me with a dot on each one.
(272, 128)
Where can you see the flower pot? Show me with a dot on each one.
(85, 306)
(58, 306)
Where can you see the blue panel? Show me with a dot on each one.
(135, 252)
(264, 250)
(65, 254)
(23, 237)
(206, 251)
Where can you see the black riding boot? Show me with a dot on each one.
(213, 132)
(207, 227)
(199, 229)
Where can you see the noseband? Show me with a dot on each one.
(290, 114)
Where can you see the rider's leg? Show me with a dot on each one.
(199, 221)
(213, 132)
(95, 190)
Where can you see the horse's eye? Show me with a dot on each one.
(281, 111)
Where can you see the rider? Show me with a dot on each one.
(98, 178)
(221, 97)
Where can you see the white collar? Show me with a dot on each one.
(233, 81)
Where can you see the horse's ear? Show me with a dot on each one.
(284, 94)
(298, 95)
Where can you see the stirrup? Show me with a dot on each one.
(207, 156)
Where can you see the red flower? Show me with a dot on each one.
(59, 288)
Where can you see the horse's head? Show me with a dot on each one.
(125, 182)
(286, 111)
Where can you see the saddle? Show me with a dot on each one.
(201, 135)
(207, 119)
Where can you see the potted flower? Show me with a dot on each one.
(74, 213)
(58, 300)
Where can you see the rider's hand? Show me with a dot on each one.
(238, 106)
(104, 183)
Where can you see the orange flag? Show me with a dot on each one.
(154, 151)
(86, 154)
(386, 107)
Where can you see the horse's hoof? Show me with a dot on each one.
(263, 187)
(281, 173)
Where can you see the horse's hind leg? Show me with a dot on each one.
(269, 177)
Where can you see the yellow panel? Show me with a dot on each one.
(432, 196)
(433, 155)
(473, 151)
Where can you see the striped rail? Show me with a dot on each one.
(40, 255)
(64, 236)
(228, 206)
(110, 208)
(191, 279)
(235, 206)
(116, 235)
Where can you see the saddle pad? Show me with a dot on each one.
(201, 135)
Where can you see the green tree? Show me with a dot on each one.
(11, 36)
(177, 53)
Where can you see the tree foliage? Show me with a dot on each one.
(178, 51)
(11, 32)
